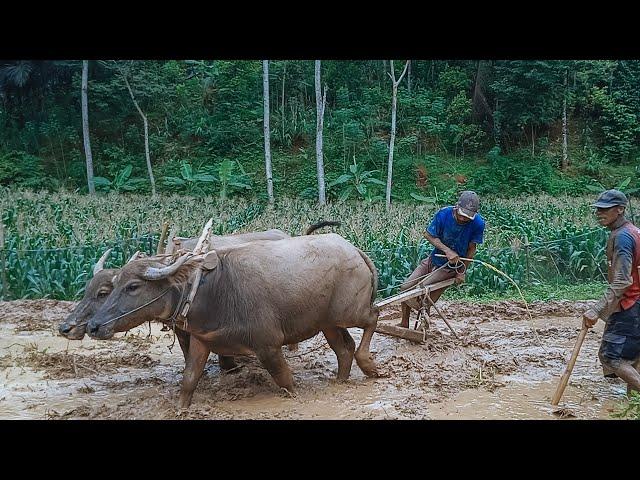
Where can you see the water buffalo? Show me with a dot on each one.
(100, 285)
(253, 299)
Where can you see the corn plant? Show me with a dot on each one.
(52, 240)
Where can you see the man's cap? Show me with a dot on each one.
(611, 198)
(468, 204)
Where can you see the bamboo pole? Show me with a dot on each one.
(567, 373)
(2, 262)
(163, 236)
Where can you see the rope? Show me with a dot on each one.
(135, 309)
(79, 247)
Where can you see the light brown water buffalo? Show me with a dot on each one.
(100, 285)
(255, 298)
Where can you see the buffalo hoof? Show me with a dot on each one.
(367, 365)
(288, 393)
(338, 380)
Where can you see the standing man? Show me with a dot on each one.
(454, 231)
(619, 307)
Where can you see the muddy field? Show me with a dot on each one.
(504, 366)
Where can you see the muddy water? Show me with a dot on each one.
(500, 369)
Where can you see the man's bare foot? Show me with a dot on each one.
(403, 325)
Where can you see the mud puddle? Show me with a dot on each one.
(499, 369)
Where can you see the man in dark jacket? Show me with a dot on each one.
(620, 306)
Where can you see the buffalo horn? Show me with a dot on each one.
(153, 273)
(134, 256)
(100, 263)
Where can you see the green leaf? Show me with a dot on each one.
(376, 181)
(240, 185)
(173, 181)
(422, 198)
(345, 177)
(186, 171)
(345, 193)
(624, 183)
(203, 177)
(101, 182)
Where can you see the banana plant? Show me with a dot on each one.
(188, 181)
(229, 180)
(357, 181)
(121, 182)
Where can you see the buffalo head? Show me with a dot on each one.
(144, 289)
(96, 292)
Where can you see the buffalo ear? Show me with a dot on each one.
(210, 260)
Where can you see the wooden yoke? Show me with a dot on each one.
(210, 261)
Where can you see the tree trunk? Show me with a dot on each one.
(565, 156)
(393, 125)
(409, 77)
(320, 104)
(391, 143)
(5, 285)
(267, 135)
(533, 142)
(146, 137)
(85, 127)
(284, 75)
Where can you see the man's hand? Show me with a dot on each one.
(452, 257)
(589, 318)
(459, 278)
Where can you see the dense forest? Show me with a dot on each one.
(504, 127)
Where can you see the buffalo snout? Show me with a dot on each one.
(93, 329)
(98, 331)
(71, 331)
(64, 328)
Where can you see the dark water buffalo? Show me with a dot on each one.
(255, 298)
(100, 285)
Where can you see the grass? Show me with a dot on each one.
(629, 409)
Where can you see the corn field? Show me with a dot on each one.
(51, 241)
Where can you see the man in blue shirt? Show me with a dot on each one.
(454, 232)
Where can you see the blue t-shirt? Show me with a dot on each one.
(454, 235)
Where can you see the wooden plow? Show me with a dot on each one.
(413, 335)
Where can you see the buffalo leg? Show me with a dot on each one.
(226, 362)
(183, 340)
(343, 345)
(196, 359)
(273, 360)
(363, 357)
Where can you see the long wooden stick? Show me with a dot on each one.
(565, 376)
(414, 292)
(442, 316)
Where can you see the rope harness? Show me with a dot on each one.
(136, 309)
